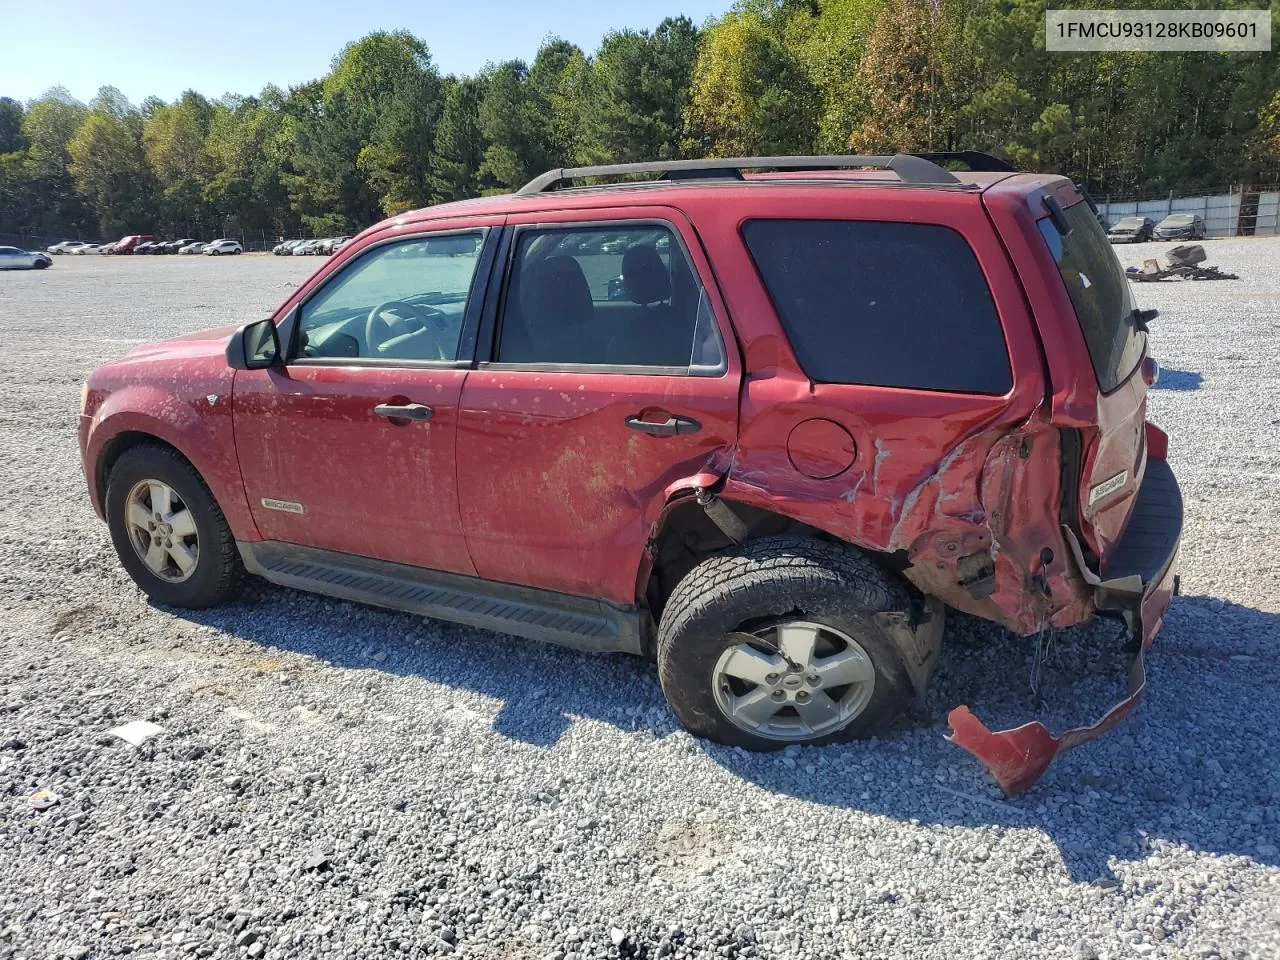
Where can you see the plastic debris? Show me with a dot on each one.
(42, 800)
(136, 731)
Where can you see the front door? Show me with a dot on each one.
(609, 381)
(349, 446)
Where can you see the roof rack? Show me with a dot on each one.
(975, 160)
(910, 168)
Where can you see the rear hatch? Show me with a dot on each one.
(1094, 351)
(1109, 455)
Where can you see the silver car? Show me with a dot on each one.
(11, 258)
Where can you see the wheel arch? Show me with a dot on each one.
(685, 535)
(209, 450)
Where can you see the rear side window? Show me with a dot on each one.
(883, 304)
(621, 295)
(1100, 294)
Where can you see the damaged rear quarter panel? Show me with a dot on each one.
(936, 475)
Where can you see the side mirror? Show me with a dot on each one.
(255, 346)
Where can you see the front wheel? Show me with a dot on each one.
(168, 531)
(779, 643)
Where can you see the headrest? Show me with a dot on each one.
(644, 276)
(556, 289)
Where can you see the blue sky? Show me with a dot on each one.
(147, 47)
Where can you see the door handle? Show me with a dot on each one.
(672, 426)
(408, 411)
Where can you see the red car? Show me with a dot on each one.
(128, 244)
(765, 420)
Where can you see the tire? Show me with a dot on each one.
(771, 581)
(41, 265)
(216, 574)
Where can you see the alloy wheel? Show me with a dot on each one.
(162, 530)
(793, 681)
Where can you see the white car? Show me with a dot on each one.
(66, 246)
(196, 247)
(87, 250)
(11, 258)
(216, 248)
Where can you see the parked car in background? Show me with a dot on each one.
(66, 246)
(769, 460)
(1131, 230)
(88, 248)
(286, 247)
(11, 258)
(217, 248)
(332, 245)
(173, 246)
(1180, 226)
(193, 247)
(128, 244)
(145, 248)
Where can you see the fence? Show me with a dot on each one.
(1240, 213)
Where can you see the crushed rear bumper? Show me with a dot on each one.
(1137, 584)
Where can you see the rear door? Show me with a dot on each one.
(607, 379)
(1095, 351)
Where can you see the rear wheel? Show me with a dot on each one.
(168, 531)
(778, 643)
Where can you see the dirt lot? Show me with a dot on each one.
(345, 781)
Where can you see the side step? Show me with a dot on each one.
(578, 622)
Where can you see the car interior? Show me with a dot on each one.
(641, 310)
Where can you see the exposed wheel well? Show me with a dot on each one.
(117, 446)
(688, 536)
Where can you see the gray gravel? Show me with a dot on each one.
(341, 781)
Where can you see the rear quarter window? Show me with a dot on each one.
(882, 304)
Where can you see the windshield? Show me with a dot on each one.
(1100, 294)
(1178, 220)
(1129, 223)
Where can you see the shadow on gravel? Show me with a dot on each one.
(1196, 764)
(1181, 380)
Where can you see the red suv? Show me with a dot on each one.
(127, 244)
(765, 419)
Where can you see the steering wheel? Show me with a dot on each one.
(377, 331)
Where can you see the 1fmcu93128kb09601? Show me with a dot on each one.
(763, 419)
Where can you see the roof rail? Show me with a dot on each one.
(975, 160)
(910, 168)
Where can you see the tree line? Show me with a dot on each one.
(385, 132)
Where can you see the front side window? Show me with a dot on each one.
(882, 304)
(621, 295)
(400, 301)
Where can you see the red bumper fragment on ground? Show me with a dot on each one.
(1017, 757)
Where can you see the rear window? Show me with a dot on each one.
(883, 304)
(1100, 294)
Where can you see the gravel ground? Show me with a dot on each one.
(342, 781)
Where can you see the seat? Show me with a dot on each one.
(551, 317)
(645, 278)
(658, 334)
